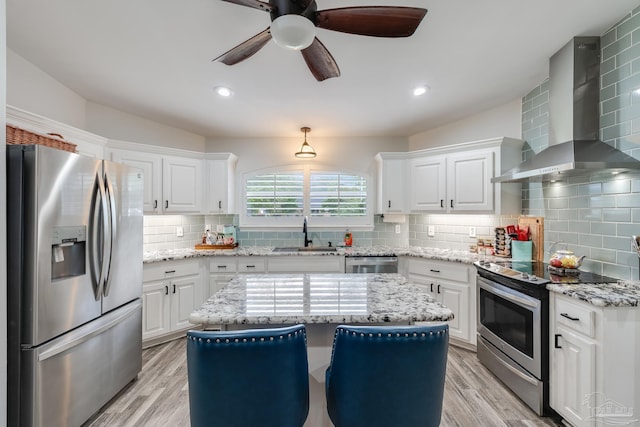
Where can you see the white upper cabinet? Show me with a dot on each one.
(428, 183)
(172, 184)
(220, 183)
(469, 186)
(457, 178)
(392, 183)
(181, 185)
(151, 165)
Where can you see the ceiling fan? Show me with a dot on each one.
(293, 25)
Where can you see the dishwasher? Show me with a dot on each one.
(371, 264)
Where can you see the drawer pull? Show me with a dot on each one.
(169, 272)
(434, 271)
(251, 266)
(575, 319)
(222, 266)
(556, 344)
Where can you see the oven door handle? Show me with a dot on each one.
(488, 286)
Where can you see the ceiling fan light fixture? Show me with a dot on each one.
(293, 32)
(306, 151)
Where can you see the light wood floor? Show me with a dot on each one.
(473, 396)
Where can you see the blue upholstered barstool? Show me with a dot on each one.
(248, 378)
(383, 376)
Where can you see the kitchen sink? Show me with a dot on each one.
(303, 249)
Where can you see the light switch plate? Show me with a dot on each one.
(431, 230)
(472, 232)
(180, 231)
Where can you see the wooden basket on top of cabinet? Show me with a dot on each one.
(18, 136)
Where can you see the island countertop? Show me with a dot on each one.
(263, 299)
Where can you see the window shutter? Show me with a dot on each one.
(278, 194)
(336, 194)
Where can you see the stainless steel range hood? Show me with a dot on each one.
(574, 121)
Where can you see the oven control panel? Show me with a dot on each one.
(521, 276)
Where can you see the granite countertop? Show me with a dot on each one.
(414, 251)
(319, 298)
(623, 293)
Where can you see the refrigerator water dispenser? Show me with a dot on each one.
(68, 252)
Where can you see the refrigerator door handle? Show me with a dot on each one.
(104, 323)
(112, 223)
(98, 233)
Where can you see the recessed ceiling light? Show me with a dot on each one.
(420, 90)
(223, 91)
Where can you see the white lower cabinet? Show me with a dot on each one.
(453, 285)
(220, 272)
(594, 374)
(171, 290)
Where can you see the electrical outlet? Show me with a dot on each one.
(398, 229)
(180, 231)
(207, 227)
(472, 232)
(431, 230)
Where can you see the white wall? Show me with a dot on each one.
(31, 89)
(505, 120)
(114, 124)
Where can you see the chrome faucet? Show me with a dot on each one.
(306, 234)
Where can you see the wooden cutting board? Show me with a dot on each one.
(536, 228)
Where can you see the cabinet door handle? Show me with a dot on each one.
(442, 203)
(219, 204)
(438, 288)
(174, 288)
(389, 203)
(155, 204)
(166, 204)
(166, 289)
(434, 271)
(432, 287)
(451, 203)
(556, 344)
(575, 319)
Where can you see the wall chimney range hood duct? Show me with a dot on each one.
(574, 121)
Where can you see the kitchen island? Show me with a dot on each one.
(321, 302)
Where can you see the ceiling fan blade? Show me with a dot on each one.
(245, 49)
(377, 21)
(320, 61)
(256, 4)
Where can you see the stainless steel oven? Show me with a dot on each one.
(513, 331)
(511, 321)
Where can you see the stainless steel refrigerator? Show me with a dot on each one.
(74, 244)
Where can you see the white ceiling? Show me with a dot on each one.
(152, 58)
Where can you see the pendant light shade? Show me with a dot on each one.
(293, 32)
(306, 151)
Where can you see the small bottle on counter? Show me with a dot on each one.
(204, 237)
(348, 238)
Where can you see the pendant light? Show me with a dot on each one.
(306, 151)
